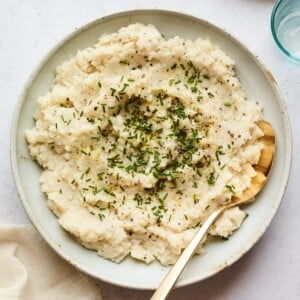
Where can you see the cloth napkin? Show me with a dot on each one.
(31, 270)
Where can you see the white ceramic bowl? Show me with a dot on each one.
(258, 84)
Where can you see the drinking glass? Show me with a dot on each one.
(285, 25)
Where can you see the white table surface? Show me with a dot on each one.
(30, 28)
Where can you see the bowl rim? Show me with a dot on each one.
(278, 43)
(13, 141)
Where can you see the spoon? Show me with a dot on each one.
(262, 169)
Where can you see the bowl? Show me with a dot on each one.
(258, 84)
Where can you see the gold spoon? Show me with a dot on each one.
(262, 169)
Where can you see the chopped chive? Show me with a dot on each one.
(101, 216)
(223, 167)
(124, 62)
(124, 87)
(211, 95)
(231, 188)
(113, 91)
(194, 89)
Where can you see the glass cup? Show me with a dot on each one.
(285, 25)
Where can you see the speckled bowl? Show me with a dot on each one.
(258, 84)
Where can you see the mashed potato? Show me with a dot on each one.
(142, 137)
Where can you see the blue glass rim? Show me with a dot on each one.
(274, 34)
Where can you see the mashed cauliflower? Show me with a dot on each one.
(140, 139)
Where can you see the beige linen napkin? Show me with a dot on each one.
(30, 269)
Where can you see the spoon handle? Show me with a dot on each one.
(170, 279)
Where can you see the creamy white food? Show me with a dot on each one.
(140, 138)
